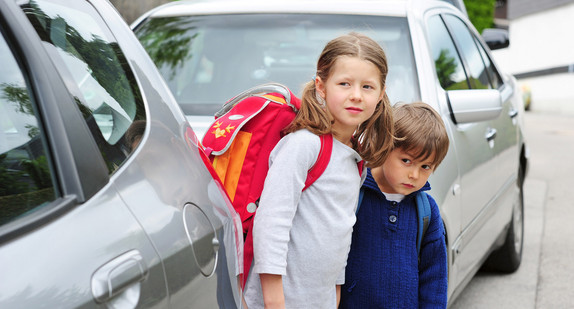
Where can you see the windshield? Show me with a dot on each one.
(206, 60)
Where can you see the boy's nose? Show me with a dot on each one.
(414, 173)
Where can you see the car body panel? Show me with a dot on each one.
(362, 7)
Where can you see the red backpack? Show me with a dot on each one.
(239, 142)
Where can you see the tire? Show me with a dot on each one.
(508, 257)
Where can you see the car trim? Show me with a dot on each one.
(392, 8)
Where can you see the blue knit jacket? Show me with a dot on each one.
(383, 269)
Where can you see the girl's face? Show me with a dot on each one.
(352, 91)
(403, 173)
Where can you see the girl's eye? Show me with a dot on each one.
(368, 87)
(344, 83)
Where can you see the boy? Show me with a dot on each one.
(383, 268)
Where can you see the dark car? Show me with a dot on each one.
(105, 197)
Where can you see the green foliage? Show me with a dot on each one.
(168, 41)
(445, 67)
(10, 178)
(14, 93)
(24, 185)
(39, 172)
(481, 13)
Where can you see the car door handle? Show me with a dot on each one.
(117, 275)
(513, 113)
(490, 134)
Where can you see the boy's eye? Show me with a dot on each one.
(406, 161)
(427, 167)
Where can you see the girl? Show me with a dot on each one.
(302, 239)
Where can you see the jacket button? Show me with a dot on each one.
(394, 204)
(392, 218)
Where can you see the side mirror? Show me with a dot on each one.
(474, 105)
(496, 38)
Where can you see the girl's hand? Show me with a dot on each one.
(338, 289)
(272, 289)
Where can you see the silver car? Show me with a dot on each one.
(210, 51)
(105, 197)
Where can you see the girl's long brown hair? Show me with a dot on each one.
(374, 138)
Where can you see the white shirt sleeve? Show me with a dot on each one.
(289, 164)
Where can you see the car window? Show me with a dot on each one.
(26, 181)
(105, 89)
(206, 60)
(449, 68)
(469, 52)
(495, 79)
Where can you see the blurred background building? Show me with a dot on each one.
(541, 51)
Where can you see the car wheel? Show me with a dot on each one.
(508, 257)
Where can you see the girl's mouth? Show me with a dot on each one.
(354, 109)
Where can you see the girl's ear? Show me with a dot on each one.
(320, 87)
(382, 93)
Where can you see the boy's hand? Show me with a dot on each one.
(338, 289)
(272, 289)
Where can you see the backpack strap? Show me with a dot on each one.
(361, 166)
(322, 160)
(314, 173)
(361, 194)
(424, 216)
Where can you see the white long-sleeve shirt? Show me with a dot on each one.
(305, 236)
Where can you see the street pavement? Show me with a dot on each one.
(546, 277)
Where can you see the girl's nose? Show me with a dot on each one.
(356, 93)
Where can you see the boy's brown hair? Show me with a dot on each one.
(374, 137)
(420, 131)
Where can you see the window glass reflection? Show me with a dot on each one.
(105, 88)
(449, 69)
(206, 60)
(25, 176)
(478, 74)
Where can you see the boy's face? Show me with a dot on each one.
(403, 173)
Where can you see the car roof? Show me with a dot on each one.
(354, 7)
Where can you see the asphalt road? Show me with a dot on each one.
(545, 278)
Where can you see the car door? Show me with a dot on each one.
(66, 237)
(142, 177)
(458, 68)
(170, 191)
(502, 138)
(486, 76)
